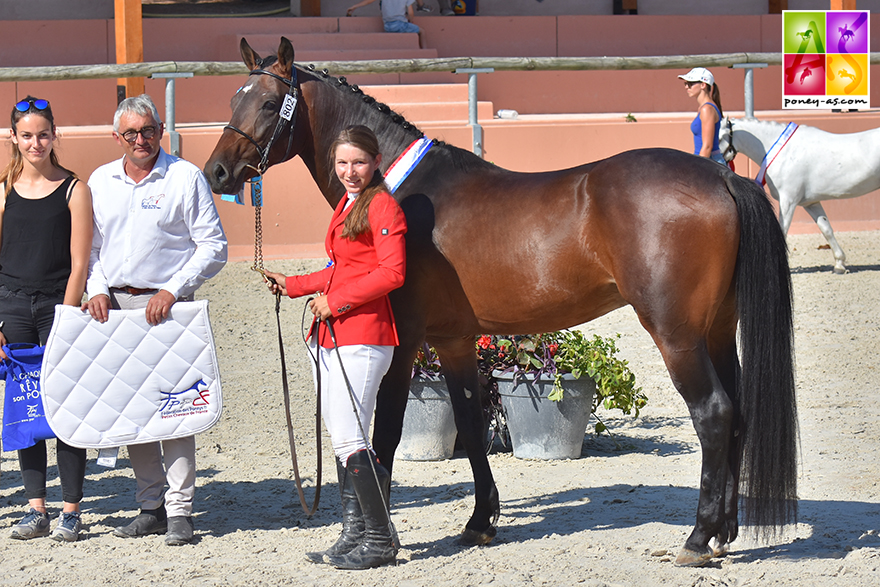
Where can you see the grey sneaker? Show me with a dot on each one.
(33, 525)
(425, 8)
(68, 527)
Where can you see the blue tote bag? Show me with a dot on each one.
(24, 421)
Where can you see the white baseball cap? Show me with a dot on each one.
(699, 74)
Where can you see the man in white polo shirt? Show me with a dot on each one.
(157, 238)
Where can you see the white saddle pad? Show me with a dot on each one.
(126, 382)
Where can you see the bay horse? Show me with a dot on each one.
(693, 247)
(814, 165)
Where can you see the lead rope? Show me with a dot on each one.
(257, 199)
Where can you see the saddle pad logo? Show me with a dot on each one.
(152, 202)
(194, 400)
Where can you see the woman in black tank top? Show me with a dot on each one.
(45, 241)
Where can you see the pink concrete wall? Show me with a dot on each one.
(295, 214)
(92, 41)
(86, 42)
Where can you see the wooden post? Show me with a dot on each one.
(129, 45)
(777, 6)
(310, 8)
(843, 4)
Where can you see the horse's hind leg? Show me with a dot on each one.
(712, 412)
(726, 363)
(821, 220)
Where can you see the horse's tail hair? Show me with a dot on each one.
(768, 429)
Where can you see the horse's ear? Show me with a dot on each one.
(248, 55)
(285, 56)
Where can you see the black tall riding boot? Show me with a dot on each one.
(352, 520)
(379, 545)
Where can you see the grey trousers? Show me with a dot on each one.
(179, 468)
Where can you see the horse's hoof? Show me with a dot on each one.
(474, 538)
(840, 269)
(691, 558)
(719, 549)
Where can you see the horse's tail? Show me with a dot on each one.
(766, 388)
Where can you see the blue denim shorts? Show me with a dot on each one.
(400, 26)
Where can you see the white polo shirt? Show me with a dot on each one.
(161, 233)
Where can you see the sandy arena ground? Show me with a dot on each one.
(615, 516)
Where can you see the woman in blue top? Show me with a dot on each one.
(700, 84)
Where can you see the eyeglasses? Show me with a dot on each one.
(689, 84)
(25, 105)
(148, 132)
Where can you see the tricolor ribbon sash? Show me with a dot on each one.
(407, 161)
(774, 151)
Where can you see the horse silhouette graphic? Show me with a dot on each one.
(171, 401)
(151, 202)
(846, 34)
(845, 73)
(807, 73)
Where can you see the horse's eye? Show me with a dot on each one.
(269, 105)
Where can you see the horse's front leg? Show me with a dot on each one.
(821, 220)
(391, 403)
(459, 365)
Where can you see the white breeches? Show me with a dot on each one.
(365, 366)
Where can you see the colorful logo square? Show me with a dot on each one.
(826, 58)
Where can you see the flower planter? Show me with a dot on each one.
(428, 423)
(541, 428)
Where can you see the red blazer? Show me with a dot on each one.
(362, 273)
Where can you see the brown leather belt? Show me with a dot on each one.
(135, 291)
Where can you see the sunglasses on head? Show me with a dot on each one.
(25, 105)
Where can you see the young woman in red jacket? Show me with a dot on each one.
(365, 243)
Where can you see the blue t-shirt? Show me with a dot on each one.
(697, 129)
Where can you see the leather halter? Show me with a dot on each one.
(285, 114)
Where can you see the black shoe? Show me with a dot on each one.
(148, 522)
(352, 520)
(180, 531)
(379, 545)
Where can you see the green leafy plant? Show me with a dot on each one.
(566, 351)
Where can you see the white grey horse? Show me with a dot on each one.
(813, 165)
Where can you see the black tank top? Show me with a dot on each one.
(35, 250)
